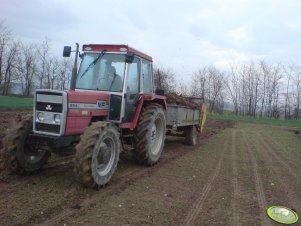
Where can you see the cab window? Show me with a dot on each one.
(133, 76)
(147, 77)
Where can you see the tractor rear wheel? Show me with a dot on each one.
(20, 156)
(149, 135)
(191, 135)
(97, 154)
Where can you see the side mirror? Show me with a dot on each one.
(129, 57)
(67, 51)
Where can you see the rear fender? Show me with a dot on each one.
(161, 102)
(144, 100)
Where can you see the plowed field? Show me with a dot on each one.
(230, 178)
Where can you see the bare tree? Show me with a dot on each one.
(43, 57)
(250, 91)
(274, 91)
(5, 41)
(52, 73)
(233, 87)
(208, 84)
(199, 80)
(64, 75)
(271, 76)
(264, 79)
(215, 88)
(9, 66)
(183, 89)
(288, 71)
(297, 91)
(27, 68)
(165, 79)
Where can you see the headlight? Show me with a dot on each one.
(40, 116)
(57, 118)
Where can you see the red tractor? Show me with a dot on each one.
(111, 102)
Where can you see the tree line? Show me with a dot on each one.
(254, 89)
(265, 90)
(30, 65)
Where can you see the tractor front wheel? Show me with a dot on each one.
(97, 154)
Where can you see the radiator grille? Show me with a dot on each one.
(48, 127)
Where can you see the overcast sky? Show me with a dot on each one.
(182, 35)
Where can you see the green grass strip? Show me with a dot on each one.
(15, 102)
(256, 120)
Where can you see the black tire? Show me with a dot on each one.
(21, 157)
(191, 135)
(97, 142)
(149, 135)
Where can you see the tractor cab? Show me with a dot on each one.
(119, 70)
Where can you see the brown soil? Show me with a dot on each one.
(230, 178)
(173, 98)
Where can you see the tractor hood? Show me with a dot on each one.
(88, 100)
(82, 107)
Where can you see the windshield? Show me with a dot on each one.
(101, 71)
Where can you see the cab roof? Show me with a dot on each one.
(115, 48)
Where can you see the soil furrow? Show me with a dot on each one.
(197, 207)
(258, 185)
(281, 181)
(280, 160)
(128, 178)
(235, 214)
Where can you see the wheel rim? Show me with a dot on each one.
(156, 136)
(105, 157)
(32, 154)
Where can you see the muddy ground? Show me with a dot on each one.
(230, 178)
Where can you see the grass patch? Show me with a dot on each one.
(257, 120)
(16, 102)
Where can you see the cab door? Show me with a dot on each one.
(147, 76)
(133, 90)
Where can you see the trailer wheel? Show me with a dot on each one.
(97, 154)
(191, 135)
(149, 135)
(20, 156)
